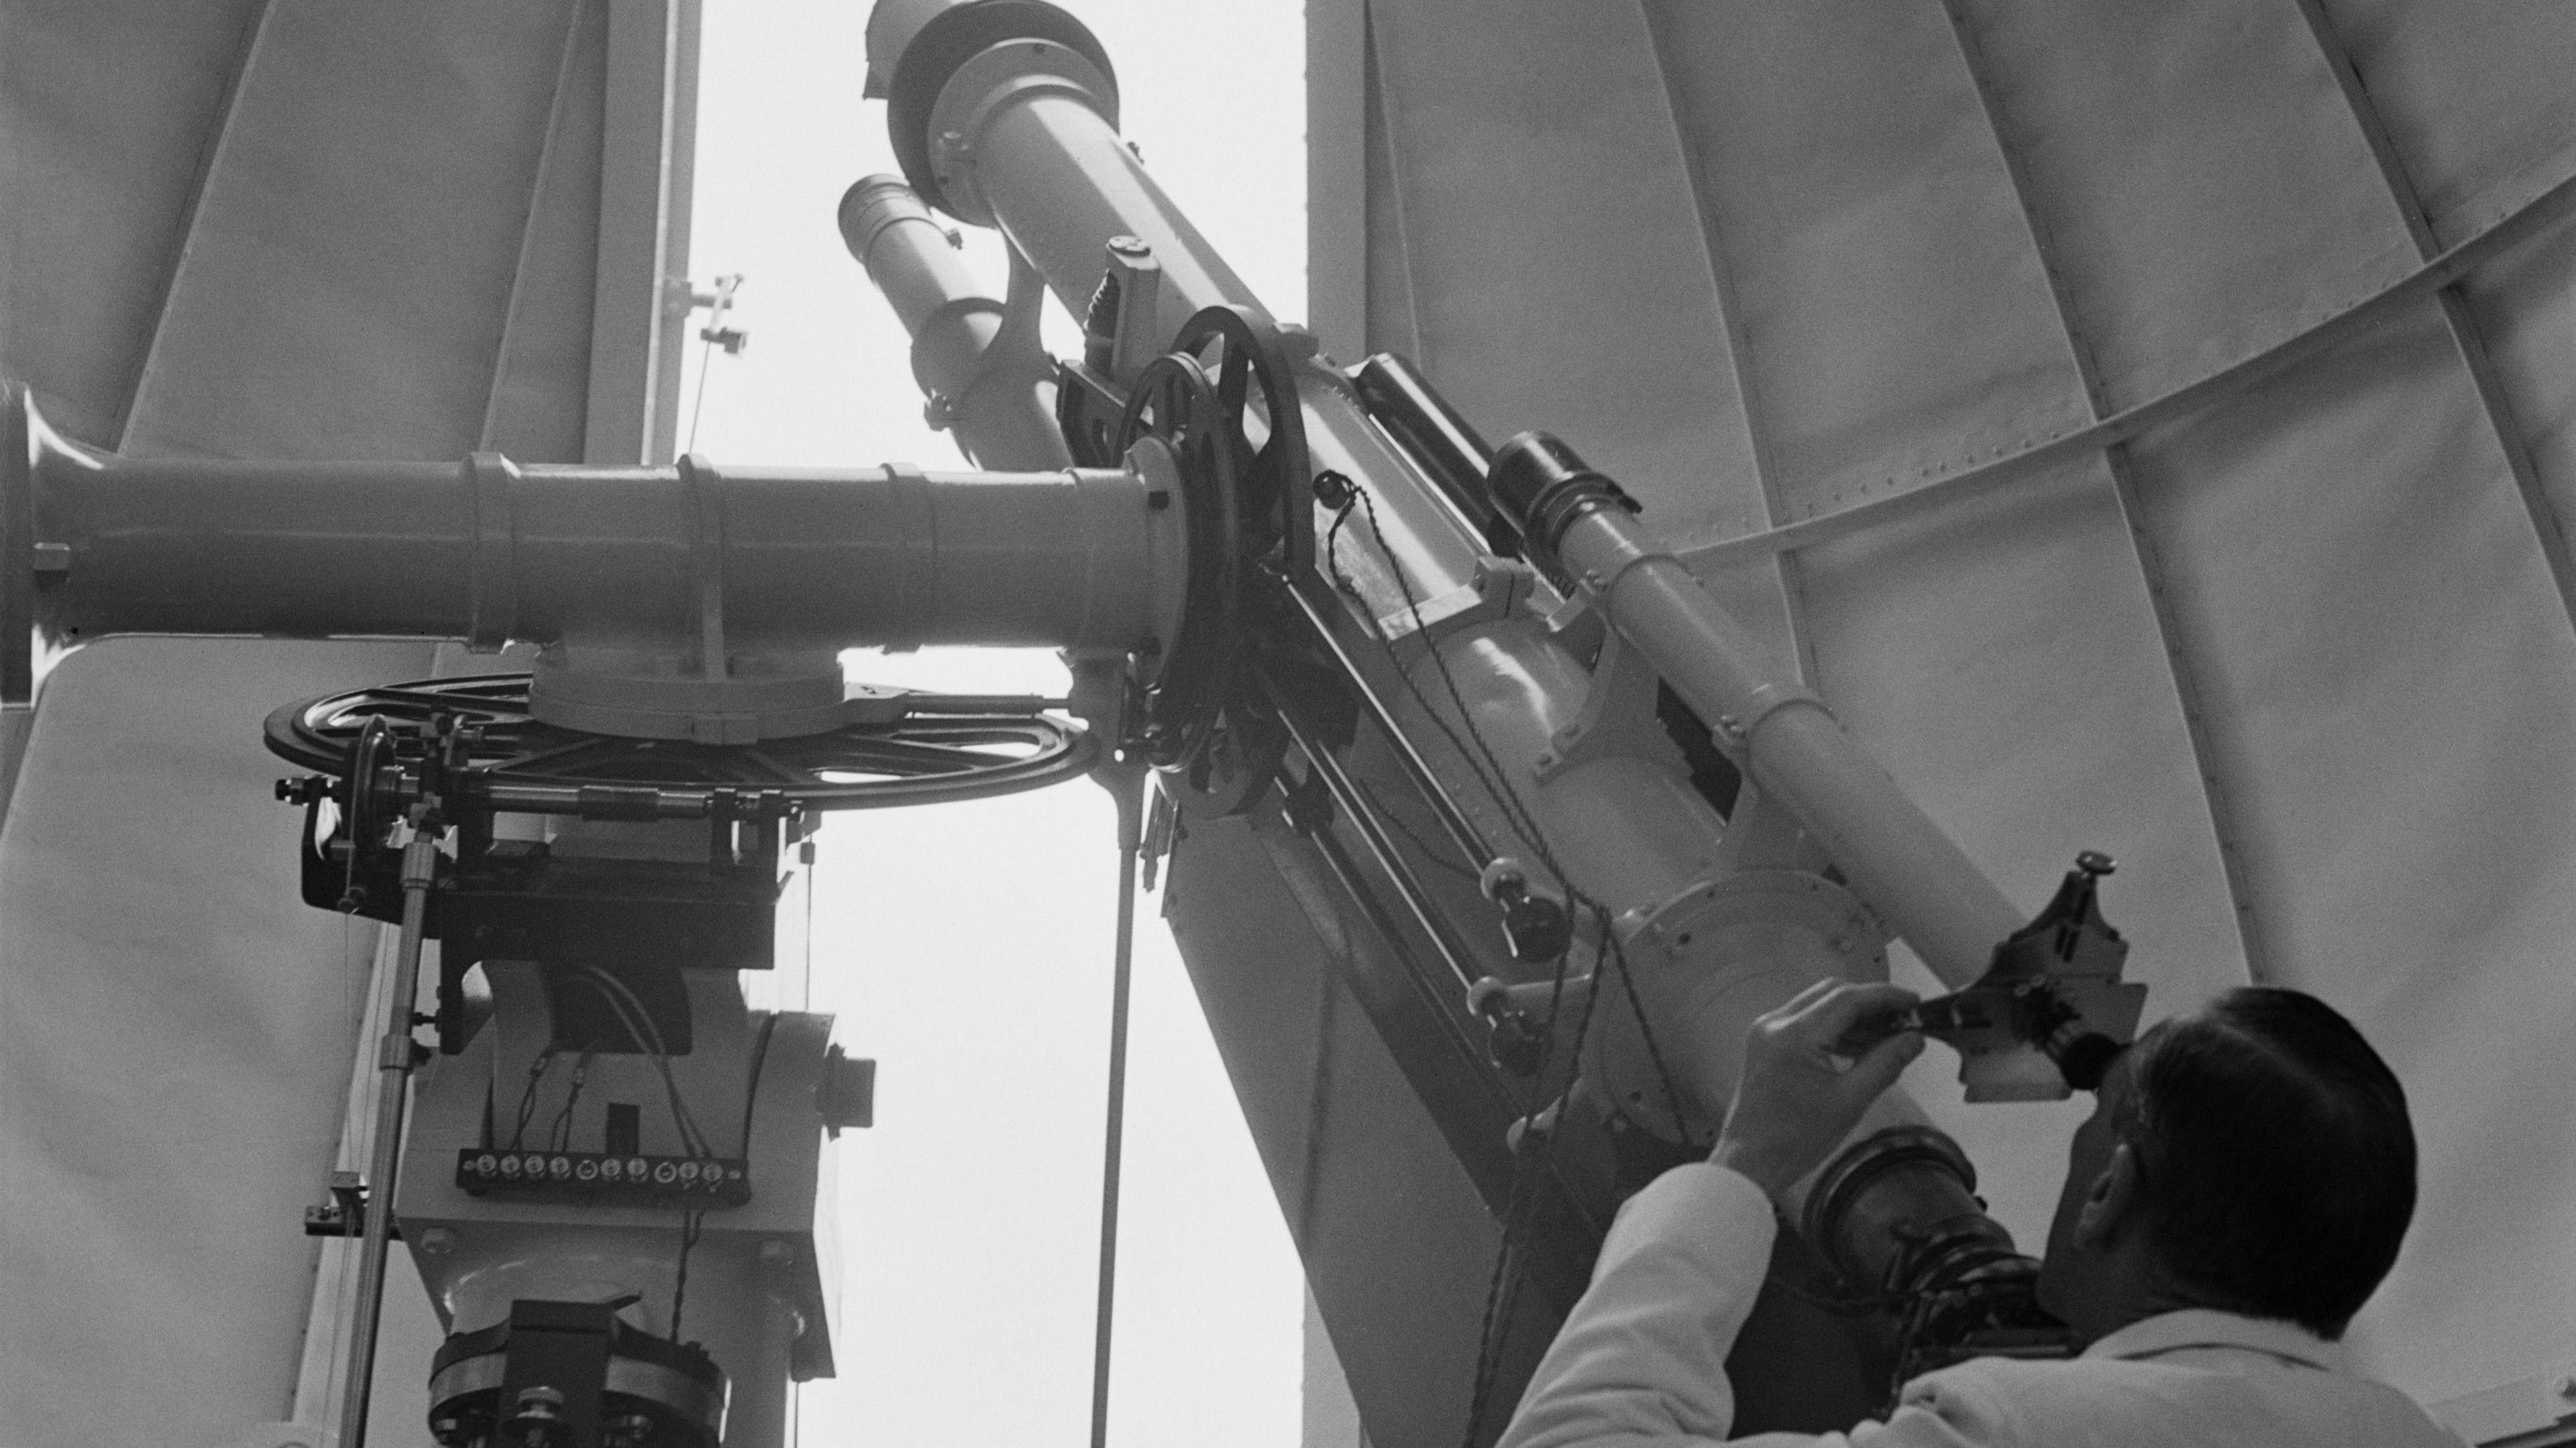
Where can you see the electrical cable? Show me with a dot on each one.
(689, 1224)
(1430, 855)
(751, 1090)
(641, 1030)
(559, 1131)
(706, 364)
(694, 1136)
(528, 1098)
(1118, 1001)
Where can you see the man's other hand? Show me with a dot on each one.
(1795, 1100)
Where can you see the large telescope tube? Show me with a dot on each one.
(691, 601)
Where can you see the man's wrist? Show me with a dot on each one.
(1767, 1170)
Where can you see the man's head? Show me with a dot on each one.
(2255, 1158)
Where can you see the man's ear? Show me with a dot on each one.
(2111, 1202)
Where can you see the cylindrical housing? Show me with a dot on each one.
(904, 249)
(1061, 183)
(1024, 138)
(1896, 858)
(1898, 1212)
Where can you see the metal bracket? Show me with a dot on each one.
(1617, 717)
(344, 1212)
(1495, 593)
(1140, 299)
(1013, 358)
(1761, 834)
(1735, 730)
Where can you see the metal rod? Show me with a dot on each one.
(1453, 821)
(393, 1078)
(1100, 1337)
(1345, 871)
(1417, 901)
(1444, 444)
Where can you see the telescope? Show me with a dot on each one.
(1576, 823)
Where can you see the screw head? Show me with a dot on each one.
(437, 1242)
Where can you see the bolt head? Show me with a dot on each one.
(437, 1242)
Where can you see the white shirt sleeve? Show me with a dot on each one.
(1641, 1361)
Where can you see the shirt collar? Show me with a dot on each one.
(2195, 1327)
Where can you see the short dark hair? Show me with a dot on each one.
(2277, 1161)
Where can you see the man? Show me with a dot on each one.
(2240, 1190)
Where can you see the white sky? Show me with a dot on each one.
(967, 947)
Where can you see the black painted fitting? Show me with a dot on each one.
(1542, 486)
(1899, 1212)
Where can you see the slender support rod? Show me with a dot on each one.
(1462, 832)
(1353, 803)
(393, 1081)
(1116, 1132)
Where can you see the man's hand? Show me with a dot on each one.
(1795, 1100)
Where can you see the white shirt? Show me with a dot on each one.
(1640, 1362)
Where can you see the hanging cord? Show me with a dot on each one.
(1127, 852)
(689, 1224)
(706, 364)
(1431, 854)
(1502, 1286)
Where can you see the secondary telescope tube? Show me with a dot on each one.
(1789, 743)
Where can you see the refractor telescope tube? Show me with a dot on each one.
(1789, 743)
(614, 560)
(1020, 134)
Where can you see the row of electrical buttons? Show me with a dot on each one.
(593, 1174)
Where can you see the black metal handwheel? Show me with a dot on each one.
(915, 749)
(1216, 750)
(1265, 425)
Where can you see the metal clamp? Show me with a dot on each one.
(493, 617)
(1737, 726)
